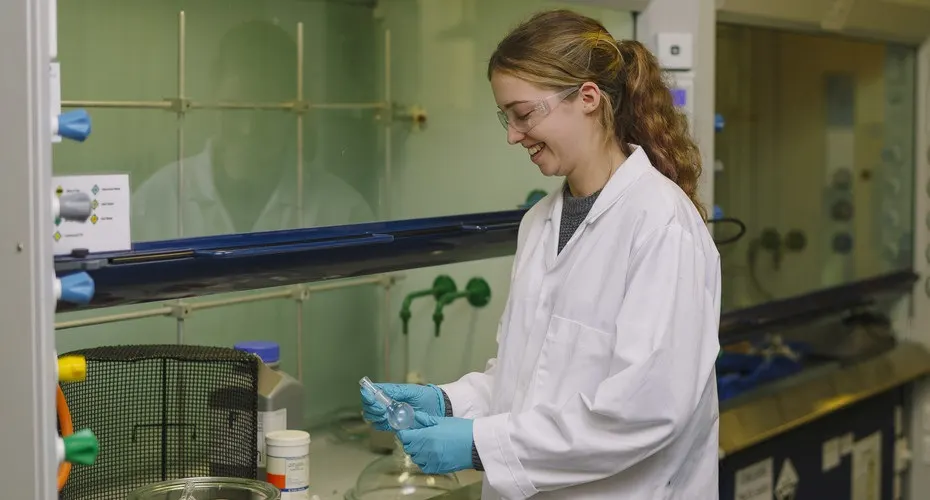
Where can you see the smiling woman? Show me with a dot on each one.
(614, 296)
(620, 82)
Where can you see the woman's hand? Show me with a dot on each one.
(423, 398)
(439, 445)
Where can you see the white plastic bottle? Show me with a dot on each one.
(280, 396)
(288, 465)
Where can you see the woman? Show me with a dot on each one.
(604, 384)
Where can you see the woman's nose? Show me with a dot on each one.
(513, 136)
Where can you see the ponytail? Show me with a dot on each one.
(559, 49)
(645, 115)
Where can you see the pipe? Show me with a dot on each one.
(300, 342)
(182, 48)
(300, 127)
(277, 294)
(405, 313)
(383, 280)
(386, 198)
(300, 191)
(299, 303)
(168, 105)
(179, 322)
(477, 291)
(386, 208)
(384, 315)
(117, 104)
(113, 318)
(442, 285)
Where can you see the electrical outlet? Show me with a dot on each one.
(675, 51)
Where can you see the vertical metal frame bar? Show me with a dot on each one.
(27, 304)
(388, 112)
(385, 210)
(182, 89)
(300, 125)
(299, 304)
(916, 326)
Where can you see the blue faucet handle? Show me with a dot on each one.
(74, 125)
(77, 288)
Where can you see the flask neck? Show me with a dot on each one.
(384, 399)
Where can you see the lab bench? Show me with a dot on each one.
(469, 492)
(335, 465)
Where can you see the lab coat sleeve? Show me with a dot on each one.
(471, 394)
(664, 353)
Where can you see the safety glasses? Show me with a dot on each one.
(524, 116)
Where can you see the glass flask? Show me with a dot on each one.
(208, 488)
(399, 415)
(396, 477)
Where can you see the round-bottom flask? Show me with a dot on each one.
(396, 477)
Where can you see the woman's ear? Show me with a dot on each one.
(590, 95)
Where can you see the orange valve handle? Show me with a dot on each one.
(67, 429)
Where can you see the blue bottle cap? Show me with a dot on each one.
(266, 350)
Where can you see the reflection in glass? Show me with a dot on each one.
(460, 162)
(118, 50)
(221, 140)
(282, 112)
(817, 157)
(133, 142)
(244, 167)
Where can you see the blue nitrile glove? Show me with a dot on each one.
(423, 398)
(439, 445)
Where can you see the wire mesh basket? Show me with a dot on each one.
(163, 412)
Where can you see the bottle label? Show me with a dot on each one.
(291, 476)
(269, 421)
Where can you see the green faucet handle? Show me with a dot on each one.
(479, 292)
(437, 320)
(405, 319)
(442, 285)
(81, 447)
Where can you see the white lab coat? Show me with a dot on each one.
(327, 201)
(604, 384)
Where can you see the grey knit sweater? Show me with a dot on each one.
(574, 211)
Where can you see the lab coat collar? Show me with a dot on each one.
(624, 177)
(200, 184)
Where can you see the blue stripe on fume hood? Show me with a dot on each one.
(171, 269)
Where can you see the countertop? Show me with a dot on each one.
(335, 465)
(468, 492)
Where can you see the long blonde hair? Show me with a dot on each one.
(559, 49)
